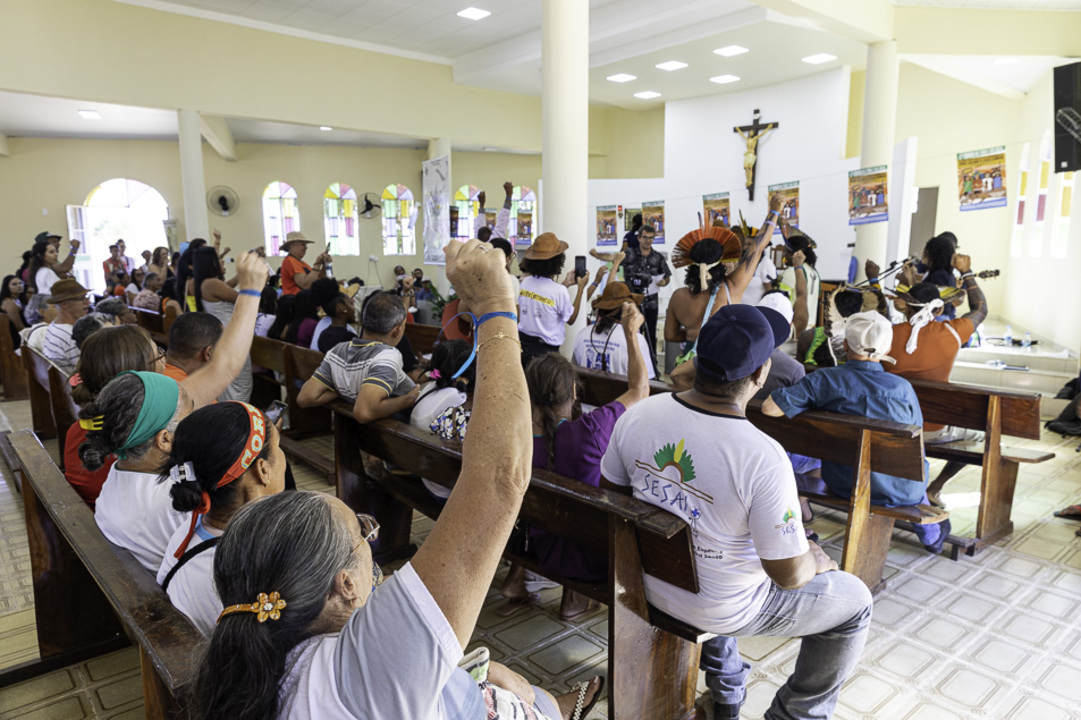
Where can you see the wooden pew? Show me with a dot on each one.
(12, 373)
(37, 371)
(860, 443)
(91, 597)
(65, 411)
(267, 354)
(153, 322)
(997, 413)
(422, 337)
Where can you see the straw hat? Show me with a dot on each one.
(66, 289)
(546, 246)
(295, 236)
(614, 295)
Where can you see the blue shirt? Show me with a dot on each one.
(859, 387)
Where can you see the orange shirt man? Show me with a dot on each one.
(296, 274)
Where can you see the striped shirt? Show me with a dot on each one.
(350, 365)
(58, 345)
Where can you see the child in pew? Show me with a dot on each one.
(446, 402)
(573, 447)
(862, 387)
(223, 456)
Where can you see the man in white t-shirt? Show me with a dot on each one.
(71, 303)
(604, 345)
(696, 455)
(544, 305)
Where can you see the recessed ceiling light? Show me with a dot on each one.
(671, 65)
(621, 77)
(1007, 61)
(647, 95)
(819, 58)
(472, 13)
(724, 79)
(325, 128)
(730, 50)
(90, 115)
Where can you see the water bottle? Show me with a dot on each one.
(1026, 343)
(1007, 339)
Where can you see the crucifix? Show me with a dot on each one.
(751, 134)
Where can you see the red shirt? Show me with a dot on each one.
(291, 267)
(87, 484)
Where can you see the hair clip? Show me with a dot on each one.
(184, 472)
(94, 423)
(265, 607)
(434, 374)
(75, 380)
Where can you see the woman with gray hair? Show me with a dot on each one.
(39, 313)
(303, 635)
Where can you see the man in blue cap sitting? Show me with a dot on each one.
(695, 454)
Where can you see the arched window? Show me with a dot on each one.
(464, 212)
(340, 219)
(523, 216)
(120, 208)
(281, 215)
(399, 217)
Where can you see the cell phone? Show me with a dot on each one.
(275, 411)
(580, 266)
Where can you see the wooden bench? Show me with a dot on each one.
(65, 411)
(997, 413)
(12, 373)
(41, 411)
(153, 322)
(863, 444)
(91, 597)
(422, 337)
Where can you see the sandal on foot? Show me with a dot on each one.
(515, 604)
(590, 607)
(581, 708)
(1073, 512)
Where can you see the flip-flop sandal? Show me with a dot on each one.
(580, 708)
(1073, 512)
(590, 607)
(512, 606)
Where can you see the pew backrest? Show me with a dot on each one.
(37, 373)
(65, 411)
(422, 337)
(11, 368)
(975, 407)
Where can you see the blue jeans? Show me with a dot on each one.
(831, 613)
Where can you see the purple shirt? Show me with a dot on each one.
(579, 446)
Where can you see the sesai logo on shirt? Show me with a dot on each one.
(787, 527)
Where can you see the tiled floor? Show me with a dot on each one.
(996, 636)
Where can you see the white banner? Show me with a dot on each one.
(436, 193)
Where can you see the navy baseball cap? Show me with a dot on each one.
(738, 340)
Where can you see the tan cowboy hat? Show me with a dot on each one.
(614, 295)
(67, 289)
(545, 247)
(295, 236)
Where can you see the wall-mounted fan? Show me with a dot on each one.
(222, 201)
(370, 206)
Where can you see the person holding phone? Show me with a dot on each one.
(544, 306)
(296, 274)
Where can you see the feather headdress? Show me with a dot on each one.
(731, 248)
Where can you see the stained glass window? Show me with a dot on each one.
(281, 215)
(523, 217)
(399, 219)
(341, 219)
(466, 206)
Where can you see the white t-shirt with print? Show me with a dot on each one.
(191, 591)
(731, 483)
(544, 306)
(590, 347)
(135, 511)
(432, 404)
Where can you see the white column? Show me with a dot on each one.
(565, 103)
(879, 128)
(192, 180)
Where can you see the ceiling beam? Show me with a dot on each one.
(5, 149)
(868, 21)
(959, 31)
(216, 132)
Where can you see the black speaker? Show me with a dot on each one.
(1067, 96)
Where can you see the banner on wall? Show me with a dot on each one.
(653, 214)
(606, 226)
(981, 178)
(435, 175)
(716, 210)
(789, 194)
(867, 199)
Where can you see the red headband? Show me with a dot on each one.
(252, 447)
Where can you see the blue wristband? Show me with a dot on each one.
(253, 293)
(488, 316)
(873, 281)
(477, 322)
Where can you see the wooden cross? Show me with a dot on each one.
(751, 134)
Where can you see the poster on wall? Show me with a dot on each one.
(867, 196)
(629, 211)
(606, 226)
(981, 178)
(789, 194)
(716, 210)
(436, 188)
(653, 214)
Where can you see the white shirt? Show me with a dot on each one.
(432, 404)
(592, 349)
(788, 278)
(765, 273)
(544, 306)
(191, 591)
(263, 321)
(320, 326)
(58, 345)
(731, 483)
(44, 279)
(135, 511)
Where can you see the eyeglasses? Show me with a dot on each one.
(161, 355)
(369, 530)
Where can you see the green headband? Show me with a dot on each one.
(160, 397)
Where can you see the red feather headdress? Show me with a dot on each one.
(732, 248)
